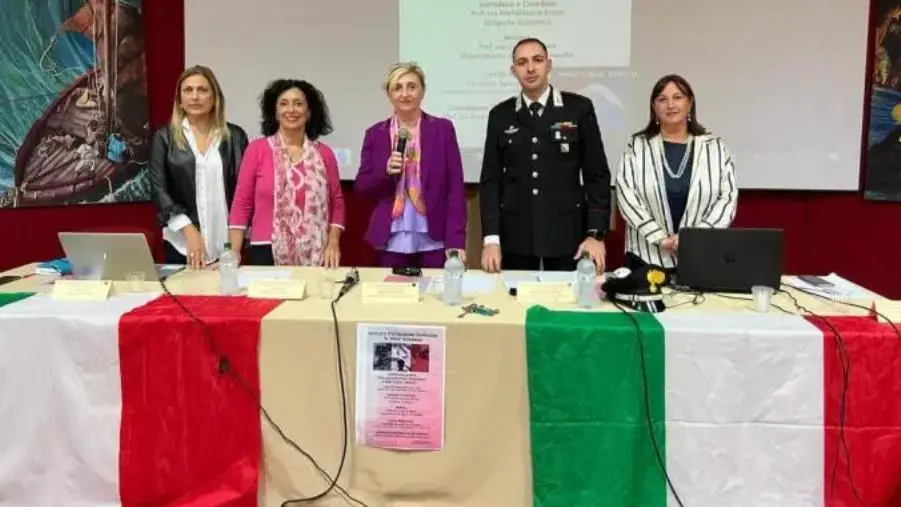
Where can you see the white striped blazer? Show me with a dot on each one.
(641, 194)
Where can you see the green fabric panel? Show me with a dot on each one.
(590, 443)
(11, 297)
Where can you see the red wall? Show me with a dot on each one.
(835, 231)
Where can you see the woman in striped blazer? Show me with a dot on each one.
(673, 174)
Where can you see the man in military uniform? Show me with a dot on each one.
(544, 190)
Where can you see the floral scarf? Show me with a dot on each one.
(409, 185)
(300, 221)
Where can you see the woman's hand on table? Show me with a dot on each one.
(332, 256)
(196, 250)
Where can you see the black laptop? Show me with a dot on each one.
(729, 260)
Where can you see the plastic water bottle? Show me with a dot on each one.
(586, 274)
(228, 271)
(453, 279)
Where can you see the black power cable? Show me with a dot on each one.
(224, 368)
(639, 335)
(845, 360)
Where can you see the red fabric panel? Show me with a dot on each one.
(872, 428)
(190, 437)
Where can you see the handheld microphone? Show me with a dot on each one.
(402, 137)
(352, 278)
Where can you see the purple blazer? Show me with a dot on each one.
(442, 181)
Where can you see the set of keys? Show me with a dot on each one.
(478, 309)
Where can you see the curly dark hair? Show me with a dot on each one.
(318, 123)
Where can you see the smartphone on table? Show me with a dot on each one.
(409, 272)
(816, 281)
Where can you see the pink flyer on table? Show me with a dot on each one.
(400, 387)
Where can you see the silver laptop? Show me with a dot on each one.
(108, 255)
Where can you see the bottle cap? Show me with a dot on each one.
(228, 245)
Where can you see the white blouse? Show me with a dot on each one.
(212, 210)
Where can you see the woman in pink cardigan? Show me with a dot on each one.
(289, 188)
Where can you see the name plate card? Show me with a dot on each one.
(81, 290)
(889, 309)
(277, 289)
(542, 293)
(390, 293)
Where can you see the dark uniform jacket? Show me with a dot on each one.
(530, 189)
(172, 173)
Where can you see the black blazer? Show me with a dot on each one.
(172, 173)
(530, 191)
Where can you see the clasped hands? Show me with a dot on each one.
(670, 243)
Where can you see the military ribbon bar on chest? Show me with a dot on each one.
(564, 134)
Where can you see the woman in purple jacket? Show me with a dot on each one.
(411, 164)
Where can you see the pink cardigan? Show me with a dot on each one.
(256, 185)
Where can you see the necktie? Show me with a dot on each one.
(535, 108)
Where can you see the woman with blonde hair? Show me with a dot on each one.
(411, 164)
(194, 165)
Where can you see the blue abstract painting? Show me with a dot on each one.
(882, 172)
(73, 91)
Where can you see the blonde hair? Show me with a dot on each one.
(399, 70)
(219, 126)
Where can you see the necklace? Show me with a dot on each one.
(292, 160)
(286, 149)
(683, 165)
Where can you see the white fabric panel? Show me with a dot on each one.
(60, 401)
(744, 410)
